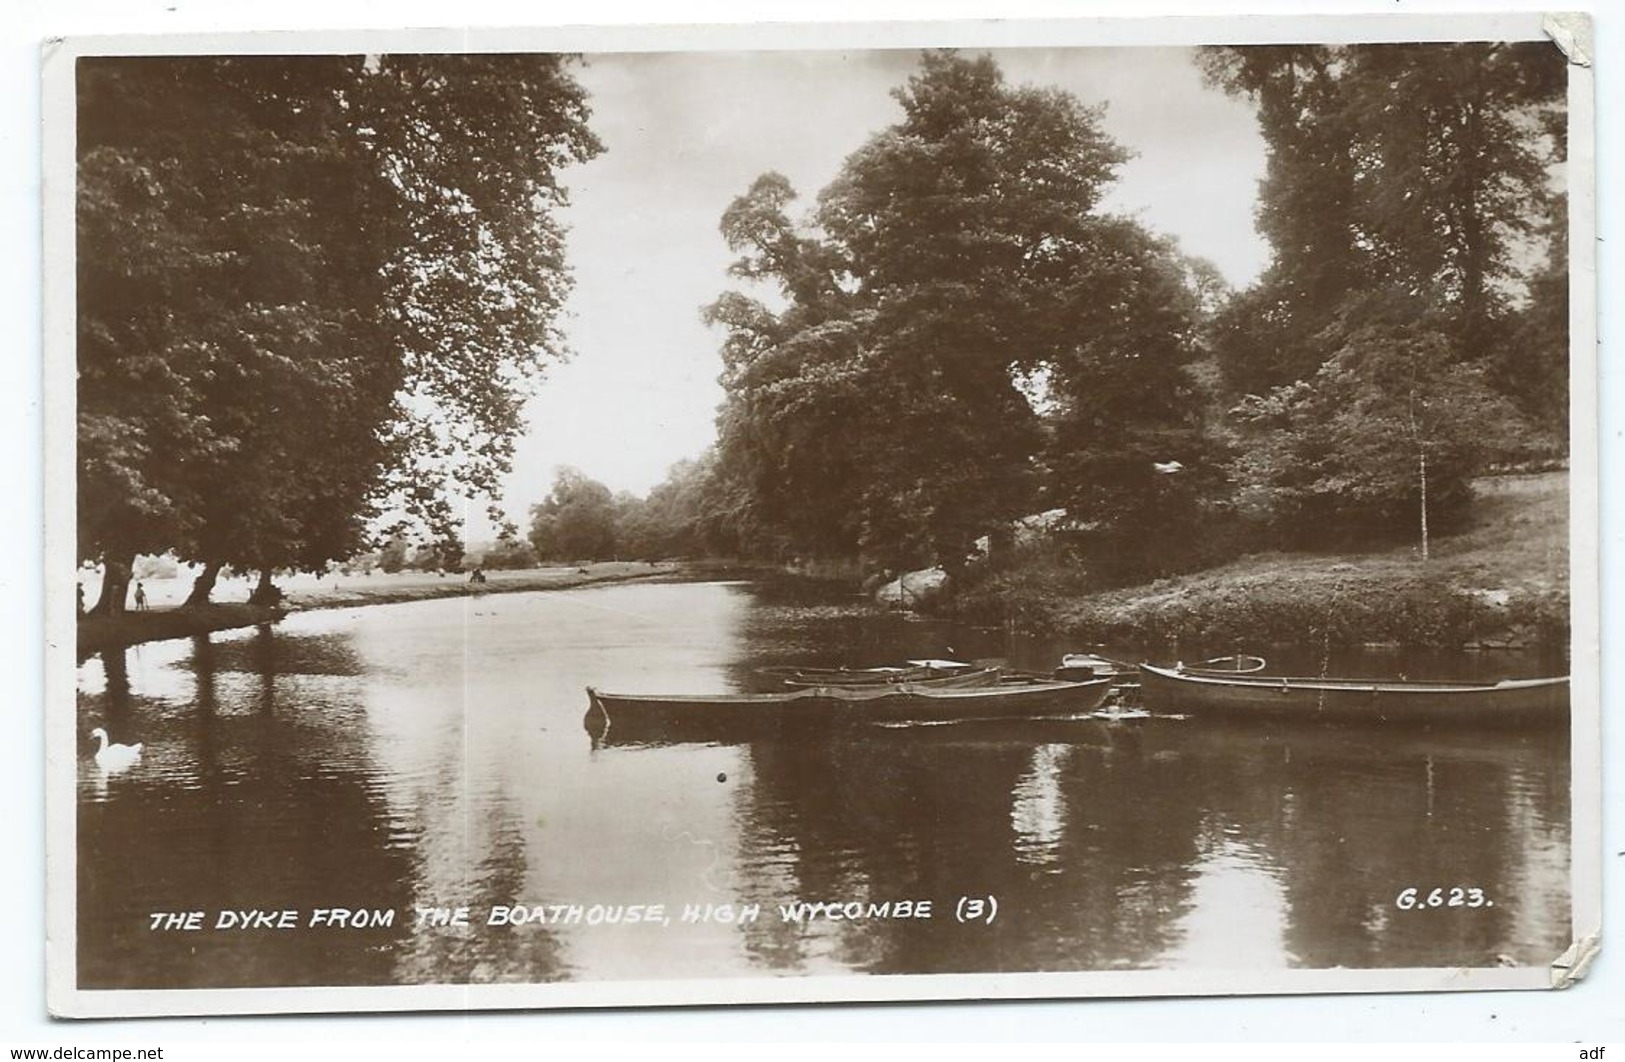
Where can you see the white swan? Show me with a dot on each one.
(114, 757)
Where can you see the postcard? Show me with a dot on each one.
(791, 514)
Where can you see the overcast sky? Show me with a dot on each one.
(686, 133)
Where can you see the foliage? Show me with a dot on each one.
(1531, 367)
(311, 289)
(1307, 204)
(1399, 339)
(576, 521)
(954, 291)
(1126, 453)
(688, 515)
(1347, 455)
(473, 146)
(393, 557)
(508, 556)
(693, 513)
(1422, 167)
(277, 383)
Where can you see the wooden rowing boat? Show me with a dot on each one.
(1242, 664)
(1007, 697)
(1076, 667)
(931, 672)
(1196, 691)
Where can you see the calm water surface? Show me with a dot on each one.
(432, 755)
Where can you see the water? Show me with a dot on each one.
(432, 756)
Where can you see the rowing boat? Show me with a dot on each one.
(1196, 691)
(1077, 666)
(1242, 664)
(934, 672)
(1008, 697)
(976, 677)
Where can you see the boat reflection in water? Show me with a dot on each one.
(1152, 842)
(432, 755)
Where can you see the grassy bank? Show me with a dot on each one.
(111, 632)
(1501, 582)
(356, 590)
(306, 593)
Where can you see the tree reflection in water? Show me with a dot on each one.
(433, 754)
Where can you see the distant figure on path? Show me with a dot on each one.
(140, 598)
(478, 576)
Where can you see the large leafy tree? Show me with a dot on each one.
(270, 334)
(1530, 366)
(1454, 152)
(473, 145)
(1400, 331)
(1307, 205)
(1379, 444)
(576, 521)
(1421, 167)
(694, 512)
(311, 289)
(1127, 454)
(892, 402)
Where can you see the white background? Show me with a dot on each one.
(1591, 1012)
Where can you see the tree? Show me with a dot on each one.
(1423, 167)
(576, 521)
(311, 288)
(888, 409)
(792, 430)
(1532, 366)
(288, 382)
(510, 554)
(1408, 188)
(1386, 435)
(473, 145)
(1127, 454)
(1307, 208)
(1453, 157)
(393, 557)
(138, 382)
(697, 512)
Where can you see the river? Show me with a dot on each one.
(427, 764)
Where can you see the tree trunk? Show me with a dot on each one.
(265, 593)
(1422, 469)
(1001, 544)
(1424, 462)
(1474, 236)
(203, 585)
(116, 572)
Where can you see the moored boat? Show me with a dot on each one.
(942, 672)
(1240, 664)
(1005, 697)
(1077, 667)
(1200, 691)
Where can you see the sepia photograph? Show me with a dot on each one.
(637, 518)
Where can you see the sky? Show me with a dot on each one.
(685, 133)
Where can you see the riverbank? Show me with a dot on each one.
(354, 591)
(1501, 583)
(351, 591)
